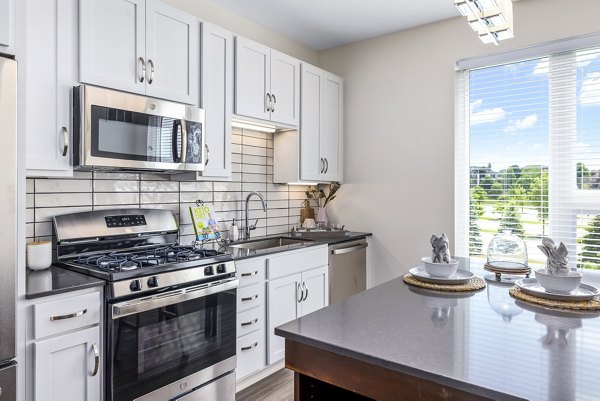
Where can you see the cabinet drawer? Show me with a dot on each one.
(250, 297)
(65, 314)
(251, 271)
(251, 355)
(250, 320)
(295, 262)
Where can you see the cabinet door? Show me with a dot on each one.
(252, 78)
(311, 123)
(64, 367)
(332, 136)
(50, 73)
(172, 49)
(7, 17)
(316, 290)
(112, 44)
(285, 88)
(283, 307)
(217, 98)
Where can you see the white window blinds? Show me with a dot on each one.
(528, 154)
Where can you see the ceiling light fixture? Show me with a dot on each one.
(491, 19)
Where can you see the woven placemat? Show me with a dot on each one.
(473, 284)
(592, 304)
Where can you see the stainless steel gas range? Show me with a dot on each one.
(170, 315)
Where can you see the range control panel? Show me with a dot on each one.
(125, 221)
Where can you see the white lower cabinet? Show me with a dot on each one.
(291, 297)
(67, 367)
(275, 289)
(65, 348)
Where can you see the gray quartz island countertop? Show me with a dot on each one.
(56, 280)
(485, 343)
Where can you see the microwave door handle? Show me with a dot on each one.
(174, 134)
(184, 139)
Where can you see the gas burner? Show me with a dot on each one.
(118, 261)
(181, 253)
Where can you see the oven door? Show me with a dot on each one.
(165, 345)
(125, 131)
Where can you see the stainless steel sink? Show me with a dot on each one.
(269, 243)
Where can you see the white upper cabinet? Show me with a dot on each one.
(315, 154)
(51, 36)
(172, 51)
(112, 48)
(217, 98)
(267, 83)
(140, 46)
(7, 20)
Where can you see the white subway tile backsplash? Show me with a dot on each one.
(159, 197)
(116, 198)
(252, 171)
(63, 199)
(116, 186)
(44, 185)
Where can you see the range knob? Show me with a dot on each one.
(152, 282)
(221, 268)
(136, 285)
(209, 271)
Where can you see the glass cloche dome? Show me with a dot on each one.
(506, 251)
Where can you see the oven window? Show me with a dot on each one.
(154, 348)
(127, 135)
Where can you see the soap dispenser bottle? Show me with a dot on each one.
(234, 233)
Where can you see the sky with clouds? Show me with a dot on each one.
(509, 116)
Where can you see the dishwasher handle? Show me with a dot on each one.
(349, 249)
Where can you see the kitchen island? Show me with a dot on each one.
(395, 342)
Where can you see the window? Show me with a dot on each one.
(528, 154)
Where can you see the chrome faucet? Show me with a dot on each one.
(247, 227)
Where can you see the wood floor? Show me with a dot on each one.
(277, 387)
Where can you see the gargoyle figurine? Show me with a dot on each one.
(557, 256)
(441, 249)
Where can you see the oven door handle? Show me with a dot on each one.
(132, 307)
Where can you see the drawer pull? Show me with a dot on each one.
(254, 273)
(250, 347)
(69, 316)
(96, 359)
(253, 297)
(250, 322)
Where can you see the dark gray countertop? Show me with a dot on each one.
(240, 253)
(486, 343)
(56, 280)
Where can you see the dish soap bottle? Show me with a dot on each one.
(234, 233)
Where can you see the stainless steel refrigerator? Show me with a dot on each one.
(8, 227)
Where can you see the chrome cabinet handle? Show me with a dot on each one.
(143, 63)
(249, 347)
(254, 273)
(207, 154)
(249, 323)
(151, 79)
(326, 165)
(96, 359)
(65, 141)
(253, 297)
(322, 165)
(274, 101)
(306, 294)
(69, 316)
(268, 100)
(301, 292)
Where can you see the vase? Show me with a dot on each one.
(322, 216)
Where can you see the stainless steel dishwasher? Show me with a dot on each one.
(347, 269)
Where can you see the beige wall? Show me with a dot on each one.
(211, 12)
(399, 124)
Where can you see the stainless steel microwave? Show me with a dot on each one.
(121, 131)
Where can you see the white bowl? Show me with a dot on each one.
(562, 282)
(441, 270)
